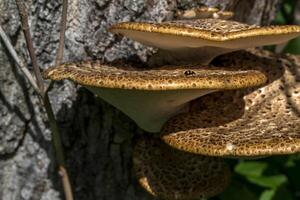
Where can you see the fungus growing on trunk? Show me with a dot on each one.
(151, 96)
(171, 174)
(203, 12)
(248, 123)
(202, 40)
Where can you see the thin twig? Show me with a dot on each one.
(14, 55)
(24, 20)
(56, 141)
(56, 138)
(63, 25)
(66, 183)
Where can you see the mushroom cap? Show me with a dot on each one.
(172, 174)
(205, 32)
(151, 96)
(247, 123)
(204, 12)
(123, 76)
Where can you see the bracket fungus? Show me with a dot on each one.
(248, 123)
(201, 40)
(204, 12)
(171, 174)
(151, 96)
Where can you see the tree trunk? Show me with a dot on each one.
(97, 137)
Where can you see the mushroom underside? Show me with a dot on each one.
(201, 55)
(177, 49)
(171, 174)
(149, 109)
(177, 41)
(248, 123)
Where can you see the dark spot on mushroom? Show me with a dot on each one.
(189, 73)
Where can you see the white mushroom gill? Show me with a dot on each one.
(203, 55)
(201, 50)
(149, 109)
(173, 42)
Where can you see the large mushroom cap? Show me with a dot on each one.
(244, 123)
(123, 76)
(171, 174)
(204, 39)
(205, 32)
(151, 96)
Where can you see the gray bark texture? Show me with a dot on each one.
(97, 138)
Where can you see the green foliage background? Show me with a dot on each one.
(276, 177)
(286, 15)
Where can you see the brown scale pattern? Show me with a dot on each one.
(171, 174)
(208, 29)
(93, 73)
(212, 25)
(250, 122)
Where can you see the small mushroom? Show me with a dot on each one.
(204, 39)
(245, 123)
(151, 96)
(204, 12)
(171, 174)
(223, 15)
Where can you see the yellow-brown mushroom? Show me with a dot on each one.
(244, 123)
(171, 174)
(202, 40)
(151, 96)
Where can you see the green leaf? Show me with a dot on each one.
(251, 168)
(288, 8)
(283, 193)
(293, 174)
(268, 181)
(286, 13)
(267, 195)
(293, 47)
(279, 19)
(238, 191)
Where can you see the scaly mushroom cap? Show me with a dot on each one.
(151, 96)
(122, 76)
(247, 122)
(206, 38)
(204, 12)
(205, 32)
(171, 174)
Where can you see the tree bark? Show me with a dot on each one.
(97, 137)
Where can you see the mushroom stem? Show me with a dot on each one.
(203, 55)
(149, 109)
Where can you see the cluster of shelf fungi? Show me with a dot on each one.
(249, 105)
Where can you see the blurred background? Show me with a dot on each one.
(289, 13)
